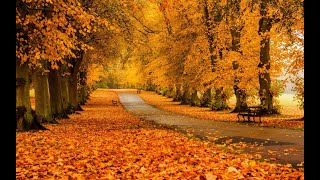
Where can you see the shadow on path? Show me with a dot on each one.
(282, 145)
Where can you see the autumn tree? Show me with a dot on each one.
(236, 25)
(209, 48)
(273, 12)
(196, 52)
(48, 34)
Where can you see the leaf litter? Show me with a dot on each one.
(106, 142)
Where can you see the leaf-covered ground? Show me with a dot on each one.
(106, 142)
(290, 117)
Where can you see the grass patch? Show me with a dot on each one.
(290, 111)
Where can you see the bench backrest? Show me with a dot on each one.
(255, 109)
(251, 108)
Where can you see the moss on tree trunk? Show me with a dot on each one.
(55, 89)
(220, 101)
(170, 92)
(73, 92)
(24, 119)
(186, 95)
(241, 99)
(178, 93)
(206, 99)
(42, 96)
(195, 101)
(65, 95)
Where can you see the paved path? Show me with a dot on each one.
(286, 145)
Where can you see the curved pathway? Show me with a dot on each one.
(281, 145)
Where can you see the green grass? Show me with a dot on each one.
(287, 102)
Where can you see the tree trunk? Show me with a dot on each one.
(186, 99)
(265, 25)
(56, 95)
(73, 82)
(220, 101)
(83, 92)
(210, 36)
(206, 98)
(195, 101)
(241, 96)
(42, 96)
(178, 93)
(170, 92)
(150, 86)
(24, 119)
(73, 92)
(65, 95)
(241, 99)
(166, 19)
(210, 22)
(157, 89)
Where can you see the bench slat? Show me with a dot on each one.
(114, 102)
(252, 111)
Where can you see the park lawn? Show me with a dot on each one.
(290, 117)
(106, 142)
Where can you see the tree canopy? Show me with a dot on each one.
(182, 48)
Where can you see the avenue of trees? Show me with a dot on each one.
(199, 52)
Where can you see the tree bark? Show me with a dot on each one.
(210, 35)
(178, 93)
(56, 95)
(220, 101)
(241, 96)
(42, 96)
(25, 121)
(186, 98)
(166, 19)
(150, 86)
(265, 25)
(219, 98)
(83, 89)
(73, 82)
(169, 92)
(157, 89)
(65, 95)
(195, 101)
(206, 98)
(73, 92)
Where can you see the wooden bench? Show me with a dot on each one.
(251, 111)
(138, 91)
(114, 102)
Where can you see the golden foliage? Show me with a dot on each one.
(52, 30)
(94, 73)
(186, 48)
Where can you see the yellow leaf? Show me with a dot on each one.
(210, 176)
(232, 169)
(252, 163)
